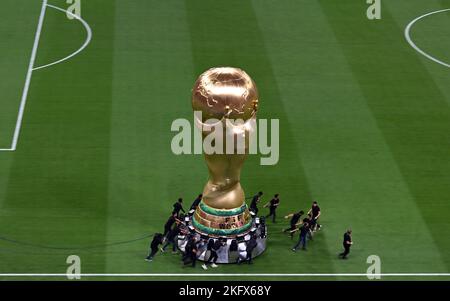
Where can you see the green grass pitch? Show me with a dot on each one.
(364, 129)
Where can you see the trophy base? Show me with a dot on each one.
(221, 222)
(234, 245)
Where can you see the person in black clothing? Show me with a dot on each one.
(209, 248)
(262, 221)
(304, 229)
(190, 254)
(196, 202)
(254, 204)
(233, 246)
(310, 221)
(213, 247)
(168, 225)
(177, 207)
(273, 204)
(157, 240)
(315, 212)
(172, 238)
(251, 245)
(309, 218)
(347, 244)
(295, 217)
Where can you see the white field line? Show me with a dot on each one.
(236, 275)
(86, 43)
(408, 37)
(23, 101)
(31, 67)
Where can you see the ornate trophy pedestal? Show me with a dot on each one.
(221, 223)
(234, 238)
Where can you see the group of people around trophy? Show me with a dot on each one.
(175, 227)
(306, 226)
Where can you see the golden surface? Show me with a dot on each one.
(225, 93)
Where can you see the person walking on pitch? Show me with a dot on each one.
(315, 212)
(177, 207)
(190, 254)
(171, 239)
(347, 244)
(273, 205)
(250, 246)
(254, 204)
(196, 202)
(309, 219)
(213, 247)
(168, 225)
(304, 229)
(295, 217)
(157, 240)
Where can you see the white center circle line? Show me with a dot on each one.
(413, 45)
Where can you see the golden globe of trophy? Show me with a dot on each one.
(227, 99)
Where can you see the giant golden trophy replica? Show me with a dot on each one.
(223, 96)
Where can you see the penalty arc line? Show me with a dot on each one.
(413, 45)
(31, 67)
(86, 43)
